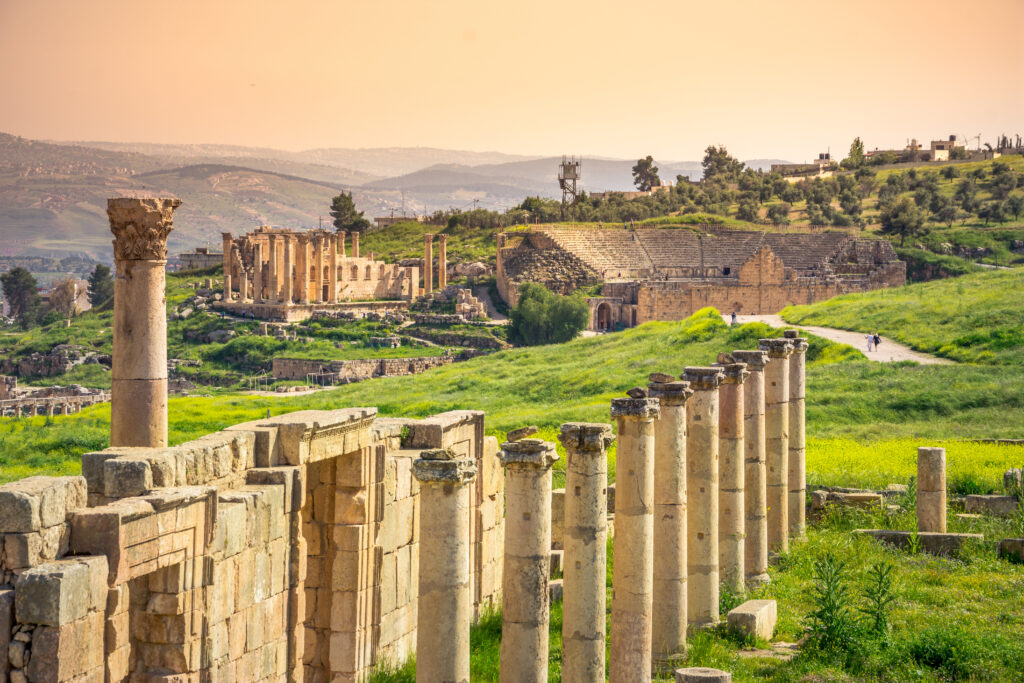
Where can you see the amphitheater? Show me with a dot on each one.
(668, 274)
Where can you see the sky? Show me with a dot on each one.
(768, 79)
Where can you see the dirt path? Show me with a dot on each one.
(481, 292)
(888, 352)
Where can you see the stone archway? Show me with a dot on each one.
(604, 316)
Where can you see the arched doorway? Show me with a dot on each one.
(604, 317)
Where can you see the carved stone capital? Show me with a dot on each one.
(702, 378)
(754, 360)
(673, 393)
(777, 347)
(141, 226)
(443, 466)
(528, 452)
(642, 408)
(586, 437)
(735, 373)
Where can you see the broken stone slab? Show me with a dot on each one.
(522, 433)
(557, 558)
(931, 542)
(968, 517)
(1001, 506)
(1012, 549)
(554, 591)
(702, 674)
(62, 591)
(821, 498)
(1013, 479)
(310, 435)
(754, 619)
(33, 503)
(782, 652)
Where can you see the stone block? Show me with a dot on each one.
(126, 477)
(68, 651)
(931, 542)
(1002, 506)
(611, 499)
(230, 535)
(33, 503)
(557, 557)
(6, 624)
(1012, 549)
(557, 517)
(754, 619)
(702, 674)
(554, 591)
(291, 478)
(403, 477)
(53, 594)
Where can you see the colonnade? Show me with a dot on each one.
(429, 265)
(700, 464)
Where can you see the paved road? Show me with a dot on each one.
(888, 352)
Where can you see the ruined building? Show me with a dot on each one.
(280, 274)
(668, 274)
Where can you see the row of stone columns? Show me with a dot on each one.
(289, 258)
(428, 262)
(698, 461)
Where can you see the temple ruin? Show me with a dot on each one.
(668, 274)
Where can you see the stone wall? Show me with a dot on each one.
(281, 549)
(356, 370)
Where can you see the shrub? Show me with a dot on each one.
(543, 317)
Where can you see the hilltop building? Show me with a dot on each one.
(668, 274)
(200, 259)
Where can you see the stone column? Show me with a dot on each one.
(332, 279)
(304, 263)
(318, 277)
(525, 611)
(585, 541)
(702, 496)
(138, 410)
(243, 280)
(289, 273)
(797, 465)
(668, 628)
(931, 489)
(257, 271)
(755, 550)
(228, 262)
(445, 607)
(731, 478)
(776, 423)
(341, 244)
(355, 244)
(633, 571)
(273, 271)
(428, 263)
(442, 261)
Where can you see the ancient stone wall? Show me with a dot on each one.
(281, 549)
(359, 369)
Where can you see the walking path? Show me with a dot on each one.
(481, 292)
(889, 352)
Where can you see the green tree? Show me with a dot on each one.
(779, 213)
(720, 166)
(856, 157)
(645, 174)
(1015, 205)
(101, 285)
(950, 172)
(22, 295)
(346, 218)
(543, 317)
(747, 210)
(903, 218)
(944, 210)
(966, 196)
(850, 203)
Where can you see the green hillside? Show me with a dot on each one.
(976, 318)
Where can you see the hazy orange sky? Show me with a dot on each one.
(778, 78)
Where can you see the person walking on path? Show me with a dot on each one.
(733, 317)
(871, 340)
(877, 340)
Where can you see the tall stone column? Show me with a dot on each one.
(633, 571)
(755, 550)
(585, 539)
(428, 263)
(342, 236)
(525, 611)
(355, 244)
(668, 627)
(702, 496)
(243, 280)
(931, 489)
(289, 273)
(776, 422)
(442, 261)
(138, 393)
(332, 284)
(257, 271)
(318, 278)
(273, 271)
(731, 478)
(797, 465)
(228, 263)
(303, 270)
(445, 607)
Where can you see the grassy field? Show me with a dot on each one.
(973, 319)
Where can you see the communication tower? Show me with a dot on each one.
(568, 177)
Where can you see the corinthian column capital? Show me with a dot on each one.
(141, 226)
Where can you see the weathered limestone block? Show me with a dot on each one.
(127, 477)
(633, 573)
(669, 603)
(1003, 506)
(754, 619)
(701, 674)
(557, 518)
(820, 499)
(27, 550)
(6, 623)
(62, 591)
(1012, 549)
(33, 503)
(930, 542)
(70, 652)
(586, 542)
(931, 489)
(525, 608)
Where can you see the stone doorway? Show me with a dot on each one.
(604, 317)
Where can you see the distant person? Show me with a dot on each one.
(733, 317)
(871, 340)
(877, 340)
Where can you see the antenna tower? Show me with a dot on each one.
(568, 177)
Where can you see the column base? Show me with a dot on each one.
(755, 581)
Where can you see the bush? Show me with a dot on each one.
(543, 317)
